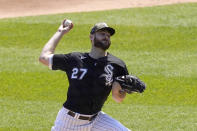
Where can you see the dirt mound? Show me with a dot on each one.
(15, 8)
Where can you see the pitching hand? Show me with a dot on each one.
(66, 26)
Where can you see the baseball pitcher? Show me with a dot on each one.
(92, 76)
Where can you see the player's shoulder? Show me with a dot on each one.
(77, 55)
(115, 60)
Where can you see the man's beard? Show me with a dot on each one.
(101, 44)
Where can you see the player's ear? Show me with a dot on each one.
(91, 37)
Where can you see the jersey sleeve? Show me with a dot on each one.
(123, 70)
(59, 61)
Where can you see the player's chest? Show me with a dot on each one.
(99, 72)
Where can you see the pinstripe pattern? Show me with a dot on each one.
(102, 122)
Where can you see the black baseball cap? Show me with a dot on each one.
(102, 26)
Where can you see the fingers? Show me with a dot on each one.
(63, 23)
(65, 26)
(71, 26)
(67, 23)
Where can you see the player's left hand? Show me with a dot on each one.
(131, 84)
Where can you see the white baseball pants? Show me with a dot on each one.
(102, 122)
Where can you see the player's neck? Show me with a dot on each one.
(97, 53)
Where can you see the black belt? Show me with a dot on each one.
(82, 117)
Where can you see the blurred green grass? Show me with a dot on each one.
(158, 44)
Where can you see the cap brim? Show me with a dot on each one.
(109, 29)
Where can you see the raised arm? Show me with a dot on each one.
(50, 46)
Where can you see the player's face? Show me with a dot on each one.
(102, 40)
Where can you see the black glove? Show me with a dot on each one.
(131, 83)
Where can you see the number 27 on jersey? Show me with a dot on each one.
(78, 73)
